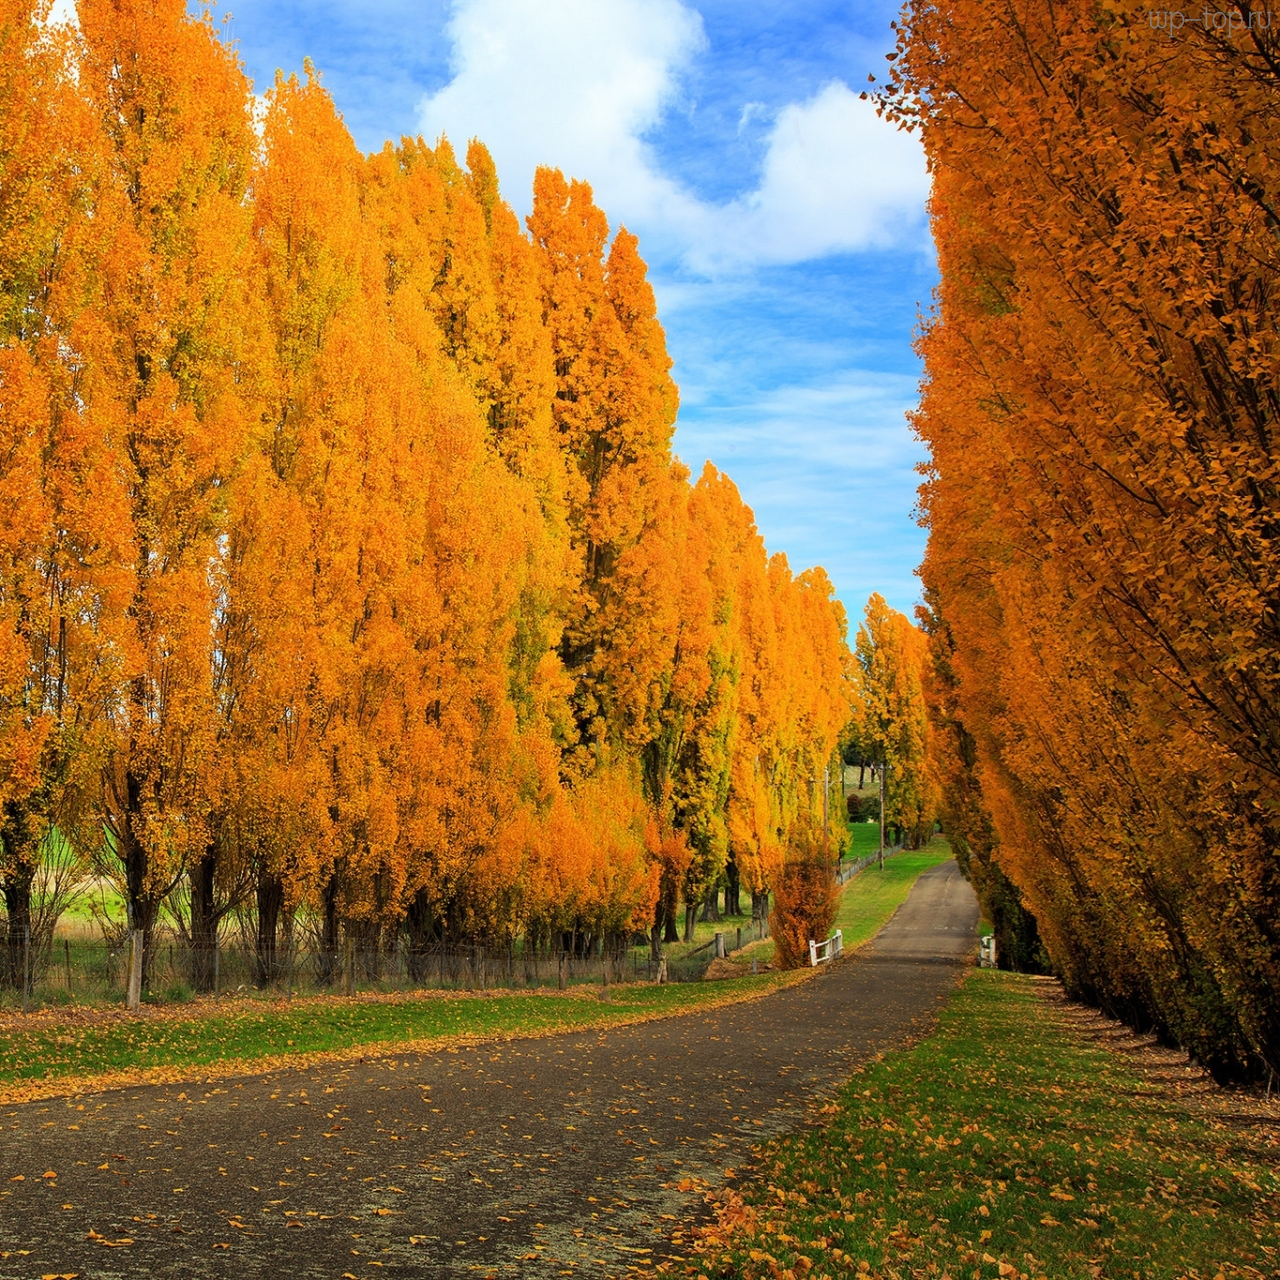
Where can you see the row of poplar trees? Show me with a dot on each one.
(1102, 404)
(345, 567)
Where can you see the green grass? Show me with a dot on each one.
(201, 1036)
(205, 1037)
(864, 838)
(1004, 1145)
(705, 930)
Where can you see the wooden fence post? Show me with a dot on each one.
(133, 996)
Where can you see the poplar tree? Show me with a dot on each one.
(165, 353)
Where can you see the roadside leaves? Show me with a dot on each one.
(1004, 1147)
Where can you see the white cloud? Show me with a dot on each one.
(829, 472)
(578, 84)
(572, 83)
(836, 177)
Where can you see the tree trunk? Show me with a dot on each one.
(424, 929)
(366, 936)
(19, 875)
(329, 932)
(732, 889)
(204, 923)
(267, 954)
(711, 906)
(17, 902)
(668, 896)
(690, 915)
(760, 905)
(140, 899)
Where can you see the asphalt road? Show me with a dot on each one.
(541, 1157)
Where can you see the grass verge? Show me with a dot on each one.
(1003, 1146)
(863, 838)
(57, 1057)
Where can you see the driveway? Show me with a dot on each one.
(581, 1153)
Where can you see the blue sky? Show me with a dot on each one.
(782, 222)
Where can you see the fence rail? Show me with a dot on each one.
(725, 944)
(822, 952)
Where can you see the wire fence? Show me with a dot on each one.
(849, 867)
(726, 942)
(81, 969)
(96, 971)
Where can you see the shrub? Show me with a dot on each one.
(855, 807)
(805, 895)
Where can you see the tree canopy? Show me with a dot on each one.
(1100, 407)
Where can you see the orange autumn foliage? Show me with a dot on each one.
(806, 895)
(65, 575)
(372, 599)
(1100, 408)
